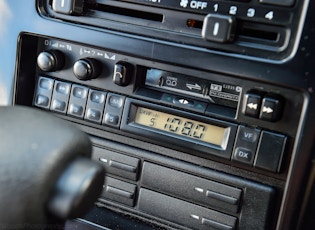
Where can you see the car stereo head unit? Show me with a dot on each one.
(205, 114)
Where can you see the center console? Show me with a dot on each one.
(183, 146)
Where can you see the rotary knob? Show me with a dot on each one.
(87, 69)
(51, 60)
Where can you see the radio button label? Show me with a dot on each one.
(246, 144)
(244, 155)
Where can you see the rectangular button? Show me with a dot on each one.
(95, 106)
(60, 97)
(252, 103)
(119, 191)
(270, 151)
(44, 90)
(113, 110)
(246, 144)
(192, 188)
(77, 102)
(183, 213)
(117, 164)
(271, 108)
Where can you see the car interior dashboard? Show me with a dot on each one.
(201, 112)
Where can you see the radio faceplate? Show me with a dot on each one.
(103, 103)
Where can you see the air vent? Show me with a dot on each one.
(124, 12)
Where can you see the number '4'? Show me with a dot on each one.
(269, 15)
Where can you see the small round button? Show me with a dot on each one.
(51, 60)
(87, 69)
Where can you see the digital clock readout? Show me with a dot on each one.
(182, 126)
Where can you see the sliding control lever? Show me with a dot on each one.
(46, 175)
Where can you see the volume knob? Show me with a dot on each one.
(51, 60)
(87, 69)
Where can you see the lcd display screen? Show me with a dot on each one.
(180, 126)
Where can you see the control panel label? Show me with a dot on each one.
(216, 92)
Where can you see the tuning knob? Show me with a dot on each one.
(87, 69)
(51, 60)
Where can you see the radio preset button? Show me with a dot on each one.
(95, 106)
(75, 110)
(111, 119)
(46, 83)
(77, 102)
(58, 105)
(113, 110)
(93, 115)
(60, 96)
(116, 101)
(44, 91)
(97, 97)
(42, 101)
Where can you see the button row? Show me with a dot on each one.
(267, 107)
(79, 101)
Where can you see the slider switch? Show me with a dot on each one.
(218, 28)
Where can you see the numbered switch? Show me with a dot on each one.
(70, 7)
(122, 73)
(218, 28)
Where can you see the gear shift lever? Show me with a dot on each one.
(45, 170)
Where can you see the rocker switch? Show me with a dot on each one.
(122, 73)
